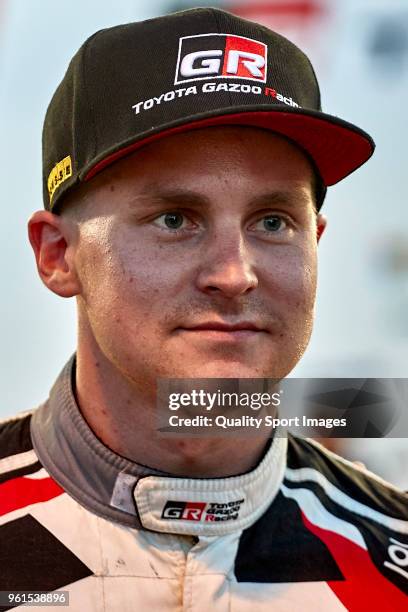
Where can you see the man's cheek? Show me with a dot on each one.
(302, 277)
(292, 283)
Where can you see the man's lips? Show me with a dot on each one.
(221, 331)
(224, 327)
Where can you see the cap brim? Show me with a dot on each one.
(337, 147)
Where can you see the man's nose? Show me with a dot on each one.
(227, 267)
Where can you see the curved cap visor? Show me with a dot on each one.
(337, 147)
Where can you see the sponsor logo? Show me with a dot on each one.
(216, 56)
(212, 87)
(398, 553)
(60, 173)
(188, 511)
(202, 511)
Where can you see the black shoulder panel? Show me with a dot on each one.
(15, 436)
(352, 480)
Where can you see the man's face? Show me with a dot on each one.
(196, 257)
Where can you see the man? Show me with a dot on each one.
(186, 159)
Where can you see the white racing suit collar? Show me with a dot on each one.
(137, 496)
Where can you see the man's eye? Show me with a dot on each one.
(171, 220)
(271, 224)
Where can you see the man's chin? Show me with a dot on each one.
(228, 370)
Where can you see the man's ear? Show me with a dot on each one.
(321, 223)
(52, 240)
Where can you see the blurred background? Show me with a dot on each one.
(360, 52)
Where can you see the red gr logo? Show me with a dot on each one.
(212, 56)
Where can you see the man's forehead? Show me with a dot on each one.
(218, 137)
(201, 149)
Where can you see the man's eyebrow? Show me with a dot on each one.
(190, 197)
(293, 197)
(174, 197)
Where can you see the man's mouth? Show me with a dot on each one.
(224, 326)
(223, 330)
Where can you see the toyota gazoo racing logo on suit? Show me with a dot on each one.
(220, 56)
(202, 511)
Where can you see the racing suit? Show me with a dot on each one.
(305, 529)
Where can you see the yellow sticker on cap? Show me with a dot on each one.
(60, 173)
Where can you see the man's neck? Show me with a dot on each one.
(124, 419)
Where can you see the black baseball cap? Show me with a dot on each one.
(133, 84)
